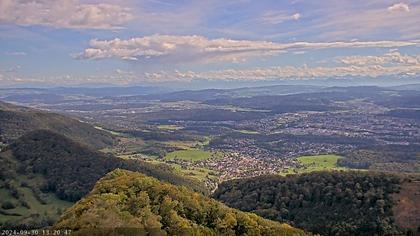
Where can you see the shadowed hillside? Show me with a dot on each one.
(16, 121)
(43, 168)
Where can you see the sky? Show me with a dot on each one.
(134, 42)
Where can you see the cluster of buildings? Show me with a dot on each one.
(233, 165)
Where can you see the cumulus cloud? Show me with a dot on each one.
(399, 7)
(393, 57)
(64, 14)
(195, 48)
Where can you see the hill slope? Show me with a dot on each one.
(329, 203)
(43, 173)
(15, 121)
(125, 201)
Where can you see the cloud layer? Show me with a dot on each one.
(389, 64)
(64, 14)
(173, 48)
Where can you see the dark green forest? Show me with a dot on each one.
(125, 202)
(392, 158)
(48, 171)
(329, 203)
(71, 169)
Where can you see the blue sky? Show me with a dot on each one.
(124, 42)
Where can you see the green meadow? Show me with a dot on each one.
(170, 127)
(315, 163)
(190, 155)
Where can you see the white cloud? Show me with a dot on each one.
(392, 63)
(287, 72)
(296, 16)
(393, 57)
(389, 64)
(277, 17)
(334, 20)
(399, 7)
(64, 14)
(170, 48)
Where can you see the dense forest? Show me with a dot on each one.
(329, 203)
(125, 202)
(71, 169)
(42, 173)
(393, 158)
(15, 121)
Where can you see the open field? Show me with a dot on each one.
(189, 155)
(186, 145)
(53, 207)
(243, 131)
(315, 163)
(170, 127)
(110, 131)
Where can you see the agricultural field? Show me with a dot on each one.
(170, 127)
(315, 163)
(248, 131)
(190, 155)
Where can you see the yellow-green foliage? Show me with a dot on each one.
(127, 202)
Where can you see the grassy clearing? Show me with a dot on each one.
(316, 163)
(200, 174)
(187, 145)
(53, 207)
(190, 155)
(170, 127)
(111, 132)
(248, 131)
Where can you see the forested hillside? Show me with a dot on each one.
(329, 203)
(43, 167)
(15, 121)
(125, 202)
(392, 158)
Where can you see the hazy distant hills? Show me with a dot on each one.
(15, 121)
(208, 94)
(79, 96)
(62, 93)
(407, 87)
(126, 203)
(59, 95)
